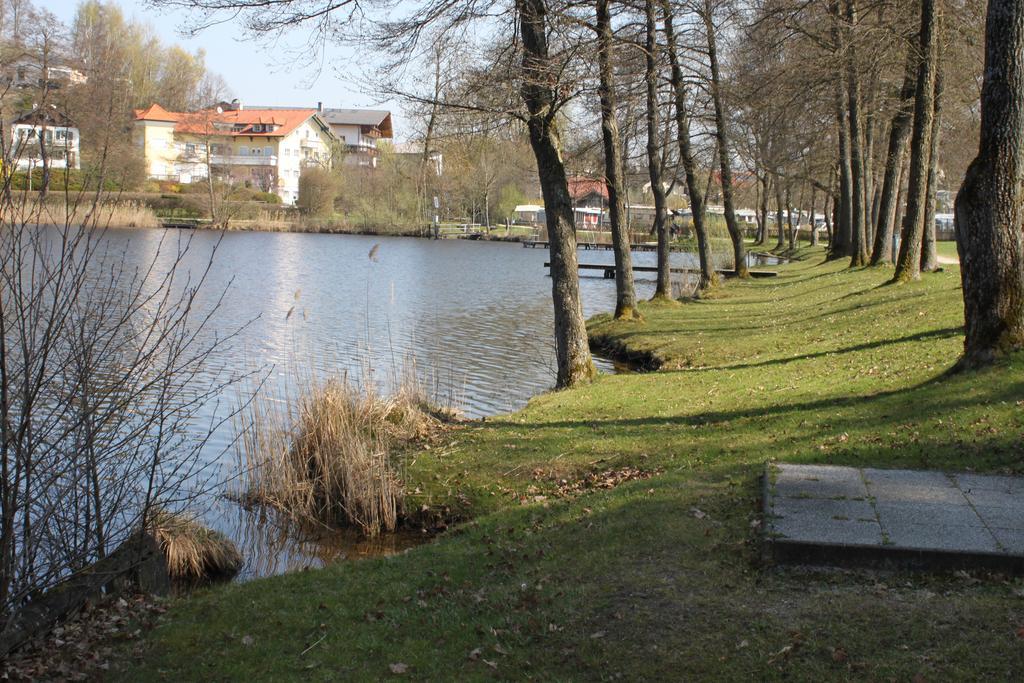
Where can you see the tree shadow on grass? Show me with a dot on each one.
(876, 410)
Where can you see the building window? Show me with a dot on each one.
(243, 151)
(190, 149)
(268, 151)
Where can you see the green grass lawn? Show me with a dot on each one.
(612, 531)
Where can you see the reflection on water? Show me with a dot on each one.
(272, 544)
(473, 318)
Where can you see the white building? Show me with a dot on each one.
(359, 130)
(45, 135)
(29, 72)
(266, 148)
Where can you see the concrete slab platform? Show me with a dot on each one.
(846, 515)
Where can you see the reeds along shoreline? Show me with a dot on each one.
(329, 457)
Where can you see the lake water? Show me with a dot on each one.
(474, 319)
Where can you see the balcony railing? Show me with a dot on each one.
(242, 160)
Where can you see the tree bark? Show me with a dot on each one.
(781, 236)
(842, 237)
(614, 170)
(929, 255)
(908, 264)
(722, 130)
(572, 352)
(660, 228)
(899, 131)
(814, 224)
(762, 238)
(789, 213)
(989, 209)
(697, 205)
(858, 215)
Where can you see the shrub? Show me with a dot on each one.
(318, 188)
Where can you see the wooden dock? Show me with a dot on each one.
(609, 270)
(180, 223)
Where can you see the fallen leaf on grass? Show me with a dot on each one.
(698, 513)
(781, 654)
(840, 655)
(398, 668)
(248, 640)
(597, 634)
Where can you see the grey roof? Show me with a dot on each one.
(358, 117)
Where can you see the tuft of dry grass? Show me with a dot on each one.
(329, 457)
(127, 214)
(194, 553)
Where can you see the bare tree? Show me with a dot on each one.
(724, 142)
(99, 359)
(625, 299)
(908, 263)
(686, 156)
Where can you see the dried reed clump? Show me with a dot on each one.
(331, 461)
(194, 553)
(127, 214)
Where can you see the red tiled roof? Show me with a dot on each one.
(231, 122)
(580, 187)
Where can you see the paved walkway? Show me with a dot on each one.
(822, 513)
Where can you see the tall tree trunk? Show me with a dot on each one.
(989, 207)
(781, 237)
(829, 212)
(842, 237)
(790, 229)
(765, 181)
(572, 351)
(899, 131)
(814, 224)
(929, 255)
(614, 170)
(654, 169)
(858, 216)
(908, 264)
(697, 205)
(870, 182)
(722, 129)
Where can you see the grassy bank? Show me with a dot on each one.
(613, 528)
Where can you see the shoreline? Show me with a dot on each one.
(603, 519)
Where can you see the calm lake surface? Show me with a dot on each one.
(472, 319)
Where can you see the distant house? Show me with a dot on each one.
(945, 228)
(359, 130)
(529, 213)
(589, 200)
(264, 148)
(45, 133)
(589, 193)
(413, 152)
(29, 72)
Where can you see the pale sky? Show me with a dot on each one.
(250, 68)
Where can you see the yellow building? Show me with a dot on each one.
(266, 148)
